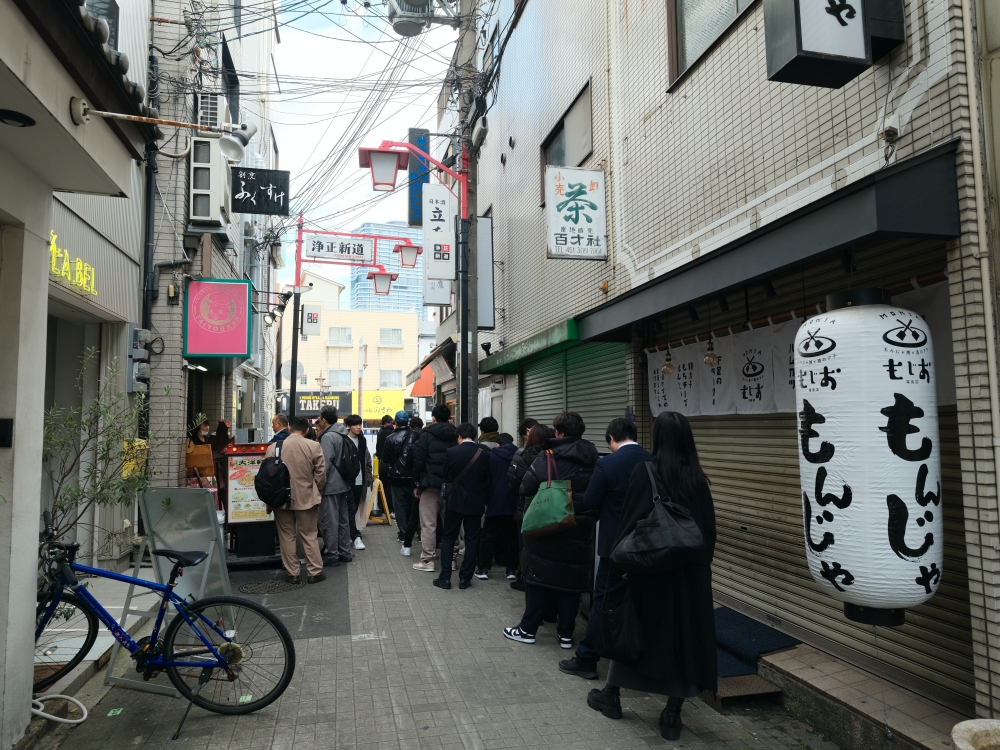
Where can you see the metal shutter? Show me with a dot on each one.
(543, 388)
(597, 386)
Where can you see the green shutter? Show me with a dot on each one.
(543, 388)
(597, 386)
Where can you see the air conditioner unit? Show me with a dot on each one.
(410, 17)
(210, 183)
(212, 109)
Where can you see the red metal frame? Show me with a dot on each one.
(375, 237)
(460, 176)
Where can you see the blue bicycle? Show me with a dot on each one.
(224, 653)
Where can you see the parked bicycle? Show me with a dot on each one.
(223, 653)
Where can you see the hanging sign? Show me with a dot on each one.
(717, 382)
(869, 458)
(217, 319)
(260, 191)
(575, 213)
(783, 364)
(676, 390)
(754, 381)
(816, 42)
(419, 174)
(439, 232)
(350, 250)
(310, 320)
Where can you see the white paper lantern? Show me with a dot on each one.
(869, 456)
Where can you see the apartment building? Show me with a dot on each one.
(734, 205)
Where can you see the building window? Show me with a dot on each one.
(339, 336)
(390, 336)
(696, 24)
(390, 379)
(338, 378)
(572, 139)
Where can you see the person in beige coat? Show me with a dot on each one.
(307, 471)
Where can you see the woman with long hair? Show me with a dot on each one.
(674, 607)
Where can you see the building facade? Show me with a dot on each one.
(735, 205)
(407, 292)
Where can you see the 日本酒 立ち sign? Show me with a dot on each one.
(217, 318)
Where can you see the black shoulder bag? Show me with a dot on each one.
(446, 487)
(666, 538)
(619, 636)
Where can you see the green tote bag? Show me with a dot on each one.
(551, 509)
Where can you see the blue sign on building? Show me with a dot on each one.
(420, 174)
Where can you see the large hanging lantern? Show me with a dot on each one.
(383, 163)
(869, 456)
(382, 279)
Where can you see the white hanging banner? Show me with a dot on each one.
(933, 304)
(754, 381)
(688, 362)
(783, 364)
(439, 232)
(869, 455)
(662, 388)
(717, 382)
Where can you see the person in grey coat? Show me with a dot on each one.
(335, 508)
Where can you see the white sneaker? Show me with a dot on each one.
(482, 575)
(427, 566)
(516, 634)
(565, 642)
(358, 544)
(405, 551)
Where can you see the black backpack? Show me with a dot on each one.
(350, 463)
(273, 483)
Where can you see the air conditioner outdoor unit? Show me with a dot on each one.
(210, 183)
(212, 109)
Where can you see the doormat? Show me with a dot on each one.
(741, 640)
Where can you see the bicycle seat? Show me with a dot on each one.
(183, 558)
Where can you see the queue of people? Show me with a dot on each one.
(484, 487)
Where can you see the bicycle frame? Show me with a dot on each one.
(119, 632)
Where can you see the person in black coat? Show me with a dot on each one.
(468, 480)
(535, 437)
(396, 470)
(430, 454)
(559, 567)
(674, 607)
(499, 533)
(606, 494)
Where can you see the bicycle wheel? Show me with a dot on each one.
(67, 638)
(259, 649)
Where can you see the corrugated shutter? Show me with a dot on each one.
(752, 462)
(597, 386)
(543, 388)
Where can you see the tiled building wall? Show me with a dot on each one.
(722, 153)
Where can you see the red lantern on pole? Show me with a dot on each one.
(384, 164)
(408, 254)
(383, 279)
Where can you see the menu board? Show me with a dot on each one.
(244, 505)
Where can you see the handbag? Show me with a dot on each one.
(446, 487)
(551, 509)
(619, 636)
(666, 538)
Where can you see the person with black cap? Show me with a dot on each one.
(489, 432)
(396, 466)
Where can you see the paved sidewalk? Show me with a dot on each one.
(426, 668)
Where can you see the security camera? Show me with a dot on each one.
(486, 347)
(890, 130)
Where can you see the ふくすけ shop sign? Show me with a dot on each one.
(217, 318)
(69, 271)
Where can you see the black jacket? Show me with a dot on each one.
(397, 455)
(519, 466)
(607, 489)
(471, 494)
(674, 607)
(563, 561)
(383, 433)
(502, 500)
(429, 454)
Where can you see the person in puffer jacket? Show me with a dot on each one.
(499, 536)
(535, 437)
(396, 465)
(559, 567)
(429, 455)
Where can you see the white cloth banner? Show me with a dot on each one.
(783, 364)
(717, 382)
(754, 379)
(933, 304)
(677, 391)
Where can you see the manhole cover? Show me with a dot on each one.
(270, 587)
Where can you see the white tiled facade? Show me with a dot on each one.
(722, 153)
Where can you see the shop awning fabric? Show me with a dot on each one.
(917, 197)
(424, 387)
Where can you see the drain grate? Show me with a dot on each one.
(271, 586)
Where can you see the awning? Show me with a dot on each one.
(558, 337)
(917, 197)
(424, 387)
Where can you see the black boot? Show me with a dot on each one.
(670, 719)
(607, 701)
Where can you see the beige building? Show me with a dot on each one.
(329, 363)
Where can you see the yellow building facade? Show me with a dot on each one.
(329, 363)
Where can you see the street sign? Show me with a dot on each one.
(439, 232)
(351, 250)
(260, 191)
(310, 320)
(575, 213)
(420, 175)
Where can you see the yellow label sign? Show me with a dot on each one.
(380, 403)
(72, 272)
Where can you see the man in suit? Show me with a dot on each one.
(307, 472)
(467, 475)
(606, 493)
